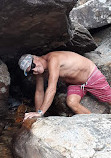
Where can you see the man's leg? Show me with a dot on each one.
(73, 101)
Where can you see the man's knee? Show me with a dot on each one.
(73, 101)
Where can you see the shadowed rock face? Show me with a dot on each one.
(81, 40)
(41, 26)
(33, 23)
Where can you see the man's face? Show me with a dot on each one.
(35, 68)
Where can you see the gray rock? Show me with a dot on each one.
(81, 40)
(94, 105)
(4, 88)
(92, 14)
(23, 146)
(80, 136)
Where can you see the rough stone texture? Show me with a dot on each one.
(4, 88)
(81, 40)
(95, 106)
(92, 14)
(23, 139)
(80, 136)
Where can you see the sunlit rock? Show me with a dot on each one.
(92, 14)
(68, 137)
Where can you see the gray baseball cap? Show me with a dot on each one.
(25, 61)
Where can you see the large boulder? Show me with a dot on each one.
(4, 88)
(86, 136)
(81, 41)
(92, 14)
(34, 24)
(38, 27)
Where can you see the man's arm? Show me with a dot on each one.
(54, 69)
(39, 93)
(39, 97)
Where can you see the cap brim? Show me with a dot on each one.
(25, 73)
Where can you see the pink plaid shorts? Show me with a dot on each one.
(96, 85)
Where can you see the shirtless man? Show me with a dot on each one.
(79, 72)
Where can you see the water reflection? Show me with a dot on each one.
(9, 126)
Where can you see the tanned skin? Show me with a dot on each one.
(71, 67)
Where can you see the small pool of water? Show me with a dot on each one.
(9, 125)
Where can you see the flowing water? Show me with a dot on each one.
(9, 125)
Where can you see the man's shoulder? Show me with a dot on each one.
(51, 56)
(47, 56)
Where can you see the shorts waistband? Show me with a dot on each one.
(93, 72)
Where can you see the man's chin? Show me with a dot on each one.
(39, 72)
(42, 71)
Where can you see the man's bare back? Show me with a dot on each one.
(74, 68)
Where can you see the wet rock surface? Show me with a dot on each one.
(7, 128)
(9, 125)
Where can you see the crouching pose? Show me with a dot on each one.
(79, 72)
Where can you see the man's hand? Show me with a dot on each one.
(31, 115)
